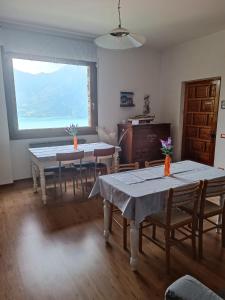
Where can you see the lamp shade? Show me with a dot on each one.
(120, 39)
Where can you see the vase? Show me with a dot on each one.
(75, 142)
(167, 165)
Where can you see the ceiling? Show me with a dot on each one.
(163, 22)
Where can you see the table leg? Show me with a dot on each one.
(134, 242)
(116, 159)
(34, 175)
(43, 186)
(106, 219)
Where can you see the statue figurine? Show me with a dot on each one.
(146, 110)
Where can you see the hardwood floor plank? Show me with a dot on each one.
(58, 252)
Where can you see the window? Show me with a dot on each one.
(44, 96)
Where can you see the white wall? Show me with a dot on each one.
(5, 153)
(197, 59)
(135, 70)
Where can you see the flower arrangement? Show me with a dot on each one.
(72, 130)
(167, 147)
(167, 150)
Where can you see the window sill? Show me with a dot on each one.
(48, 133)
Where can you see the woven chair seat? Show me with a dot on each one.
(210, 208)
(178, 218)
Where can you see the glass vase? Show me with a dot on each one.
(167, 165)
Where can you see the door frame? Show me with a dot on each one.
(184, 83)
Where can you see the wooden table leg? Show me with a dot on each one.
(134, 241)
(106, 219)
(43, 186)
(34, 175)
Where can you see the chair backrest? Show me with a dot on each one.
(179, 197)
(212, 188)
(124, 167)
(104, 152)
(71, 156)
(154, 163)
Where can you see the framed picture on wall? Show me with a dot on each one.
(126, 99)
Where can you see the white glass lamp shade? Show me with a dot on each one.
(120, 39)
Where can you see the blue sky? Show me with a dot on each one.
(35, 67)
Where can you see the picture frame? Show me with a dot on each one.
(126, 99)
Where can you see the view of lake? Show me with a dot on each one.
(51, 95)
(49, 122)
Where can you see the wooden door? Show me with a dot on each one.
(200, 120)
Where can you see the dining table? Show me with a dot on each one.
(45, 157)
(143, 192)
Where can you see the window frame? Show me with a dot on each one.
(10, 94)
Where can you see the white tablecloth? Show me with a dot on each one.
(145, 195)
(47, 153)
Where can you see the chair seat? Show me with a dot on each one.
(52, 169)
(100, 166)
(80, 167)
(178, 218)
(210, 209)
(88, 164)
(68, 169)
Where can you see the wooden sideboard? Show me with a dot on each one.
(142, 142)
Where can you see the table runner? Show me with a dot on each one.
(141, 199)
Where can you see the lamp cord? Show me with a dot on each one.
(119, 7)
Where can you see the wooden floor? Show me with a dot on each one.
(58, 252)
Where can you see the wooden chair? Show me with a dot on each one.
(208, 209)
(114, 210)
(154, 163)
(172, 219)
(50, 172)
(67, 170)
(99, 167)
(124, 167)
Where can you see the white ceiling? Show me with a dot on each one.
(163, 22)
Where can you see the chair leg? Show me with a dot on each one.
(73, 186)
(219, 222)
(154, 231)
(173, 234)
(125, 233)
(65, 185)
(193, 239)
(200, 238)
(223, 231)
(111, 218)
(54, 182)
(167, 248)
(82, 185)
(140, 238)
(86, 181)
(61, 188)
